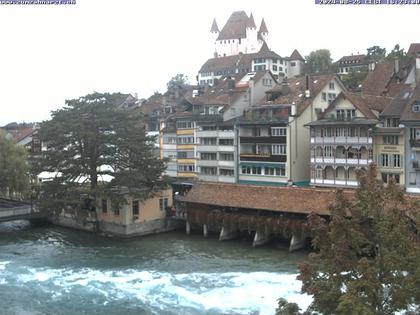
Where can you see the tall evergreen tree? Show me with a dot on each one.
(96, 148)
(367, 254)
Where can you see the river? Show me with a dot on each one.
(52, 270)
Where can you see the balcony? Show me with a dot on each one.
(333, 182)
(263, 157)
(215, 134)
(207, 162)
(342, 161)
(267, 139)
(341, 140)
(415, 143)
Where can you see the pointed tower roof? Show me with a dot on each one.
(296, 56)
(265, 52)
(263, 27)
(251, 22)
(235, 26)
(214, 27)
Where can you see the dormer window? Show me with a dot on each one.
(331, 85)
(416, 107)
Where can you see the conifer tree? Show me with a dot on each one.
(95, 148)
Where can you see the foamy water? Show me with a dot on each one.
(191, 278)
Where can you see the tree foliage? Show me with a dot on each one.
(353, 80)
(397, 53)
(14, 172)
(319, 61)
(376, 53)
(180, 79)
(95, 148)
(367, 253)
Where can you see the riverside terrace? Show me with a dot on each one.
(264, 211)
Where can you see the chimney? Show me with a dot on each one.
(307, 91)
(293, 110)
(396, 65)
(418, 67)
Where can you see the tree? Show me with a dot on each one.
(95, 148)
(376, 53)
(353, 80)
(367, 253)
(14, 171)
(180, 79)
(397, 53)
(319, 61)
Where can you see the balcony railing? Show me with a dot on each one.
(344, 161)
(334, 182)
(341, 140)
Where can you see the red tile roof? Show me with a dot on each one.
(376, 81)
(282, 199)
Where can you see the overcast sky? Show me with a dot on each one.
(52, 53)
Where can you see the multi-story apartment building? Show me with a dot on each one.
(215, 113)
(352, 63)
(342, 140)
(273, 139)
(262, 146)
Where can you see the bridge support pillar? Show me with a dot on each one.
(261, 237)
(205, 230)
(296, 243)
(228, 234)
(187, 227)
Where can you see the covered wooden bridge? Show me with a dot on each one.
(265, 211)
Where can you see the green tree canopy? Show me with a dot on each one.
(96, 148)
(319, 61)
(368, 253)
(397, 53)
(180, 79)
(14, 172)
(376, 53)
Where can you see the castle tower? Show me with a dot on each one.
(251, 36)
(214, 31)
(263, 32)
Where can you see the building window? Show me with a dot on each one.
(226, 156)
(328, 151)
(116, 209)
(208, 156)
(278, 131)
(135, 207)
(226, 172)
(169, 140)
(412, 178)
(208, 170)
(392, 140)
(256, 132)
(416, 108)
(383, 160)
(278, 149)
(184, 124)
(186, 168)
(104, 205)
(163, 204)
(396, 160)
(185, 154)
(386, 177)
(331, 86)
(208, 141)
(186, 140)
(251, 170)
(274, 68)
(274, 171)
(228, 142)
(392, 122)
(324, 96)
(293, 64)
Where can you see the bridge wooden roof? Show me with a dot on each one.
(282, 199)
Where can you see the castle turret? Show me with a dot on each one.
(214, 31)
(251, 35)
(263, 32)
